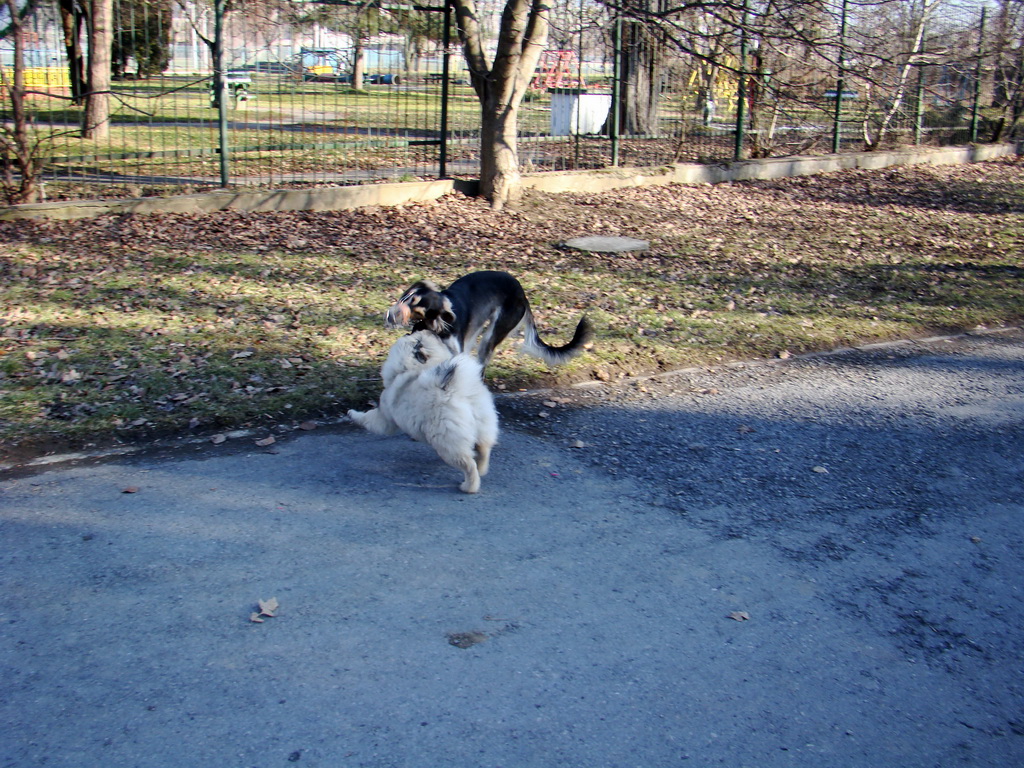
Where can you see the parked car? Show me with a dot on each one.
(313, 76)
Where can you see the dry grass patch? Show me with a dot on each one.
(125, 327)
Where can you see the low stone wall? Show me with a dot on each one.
(770, 168)
(321, 199)
(342, 198)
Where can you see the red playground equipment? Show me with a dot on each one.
(558, 69)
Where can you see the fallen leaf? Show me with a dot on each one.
(267, 607)
(307, 425)
(218, 439)
(130, 489)
(255, 618)
(820, 470)
(784, 354)
(739, 616)
(270, 440)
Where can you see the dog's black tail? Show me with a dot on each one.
(555, 355)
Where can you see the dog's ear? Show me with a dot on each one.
(419, 289)
(419, 353)
(445, 318)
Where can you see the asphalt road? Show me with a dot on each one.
(813, 562)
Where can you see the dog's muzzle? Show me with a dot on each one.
(397, 316)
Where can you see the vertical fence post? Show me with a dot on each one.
(976, 105)
(837, 118)
(220, 88)
(446, 42)
(616, 88)
(579, 92)
(741, 87)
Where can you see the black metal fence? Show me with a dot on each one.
(268, 94)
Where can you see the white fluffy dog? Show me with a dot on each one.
(439, 399)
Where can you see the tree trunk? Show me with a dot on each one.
(96, 123)
(409, 57)
(1007, 79)
(71, 20)
(500, 87)
(706, 94)
(18, 150)
(642, 73)
(358, 62)
(500, 179)
(917, 36)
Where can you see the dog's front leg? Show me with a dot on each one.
(374, 421)
(471, 483)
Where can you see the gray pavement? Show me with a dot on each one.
(814, 562)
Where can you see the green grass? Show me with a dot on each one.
(117, 329)
(167, 127)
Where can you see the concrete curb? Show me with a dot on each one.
(770, 168)
(361, 196)
(250, 201)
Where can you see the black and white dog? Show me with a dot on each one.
(459, 313)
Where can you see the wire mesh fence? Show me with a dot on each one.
(831, 76)
(293, 113)
(276, 94)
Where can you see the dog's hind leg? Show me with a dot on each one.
(457, 452)
(374, 421)
(503, 322)
(487, 428)
(483, 458)
(472, 331)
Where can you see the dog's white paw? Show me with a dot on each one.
(470, 484)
